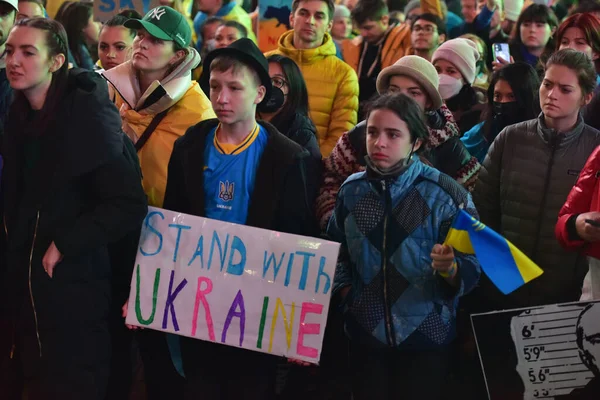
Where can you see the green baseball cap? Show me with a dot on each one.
(164, 23)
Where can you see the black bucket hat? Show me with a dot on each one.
(246, 51)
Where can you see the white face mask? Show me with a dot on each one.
(449, 86)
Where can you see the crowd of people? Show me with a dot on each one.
(372, 124)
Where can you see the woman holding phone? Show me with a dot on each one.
(535, 27)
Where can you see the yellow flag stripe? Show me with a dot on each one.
(528, 269)
(460, 240)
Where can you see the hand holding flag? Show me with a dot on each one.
(506, 266)
(443, 261)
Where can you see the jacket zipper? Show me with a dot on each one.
(542, 206)
(13, 345)
(388, 316)
(37, 331)
(544, 198)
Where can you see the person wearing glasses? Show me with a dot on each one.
(427, 33)
(381, 43)
(291, 117)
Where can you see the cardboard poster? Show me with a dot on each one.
(548, 352)
(273, 20)
(239, 286)
(105, 9)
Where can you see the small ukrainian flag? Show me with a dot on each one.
(502, 262)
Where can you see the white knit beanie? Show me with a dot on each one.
(417, 68)
(412, 4)
(341, 11)
(512, 9)
(462, 53)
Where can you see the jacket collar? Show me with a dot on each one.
(161, 95)
(399, 181)
(279, 153)
(551, 137)
(306, 56)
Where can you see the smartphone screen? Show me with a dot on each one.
(501, 50)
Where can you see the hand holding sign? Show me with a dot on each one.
(124, 315)
(51, 259)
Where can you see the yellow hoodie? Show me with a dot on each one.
(332, 88)
(187, 106)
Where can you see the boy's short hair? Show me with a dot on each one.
(224, 63)
(330, 7)
(209, 21)
(234, 24)
(366, 10)
(434, 19)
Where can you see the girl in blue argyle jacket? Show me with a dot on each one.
(400, 285)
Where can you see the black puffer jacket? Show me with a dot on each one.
(524, 181)
(78, 187)
(301, 130)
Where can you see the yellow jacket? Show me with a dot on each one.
(396, 43)
(240, 15)
(332, 88)
(52, 7)
(187, 106)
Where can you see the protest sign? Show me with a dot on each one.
(273, 20)
(236, 285)
(105, 9)
(547, 352)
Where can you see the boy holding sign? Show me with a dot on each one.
(237, 170)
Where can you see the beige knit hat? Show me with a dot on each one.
(416, 68)
(462, 53)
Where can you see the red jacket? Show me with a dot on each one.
(584, 197)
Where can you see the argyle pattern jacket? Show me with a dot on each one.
(387, 229)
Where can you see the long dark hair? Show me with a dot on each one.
(121, 18)
(75, 18)
(57, 42)
(297, 98)
(536, 13)
(525, 83)
(61, 10)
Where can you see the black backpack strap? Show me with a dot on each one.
(148, 132)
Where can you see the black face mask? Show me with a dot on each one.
(506, 114)
(274, 103)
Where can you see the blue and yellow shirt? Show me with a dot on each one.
(230, 173)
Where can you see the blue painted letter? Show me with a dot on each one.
(276, 265)
(305, 265)
(323, 273)
(222, 252)
(108, 5)
(151, 229)
(237, 268)
(179, 228)
(199, 252)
